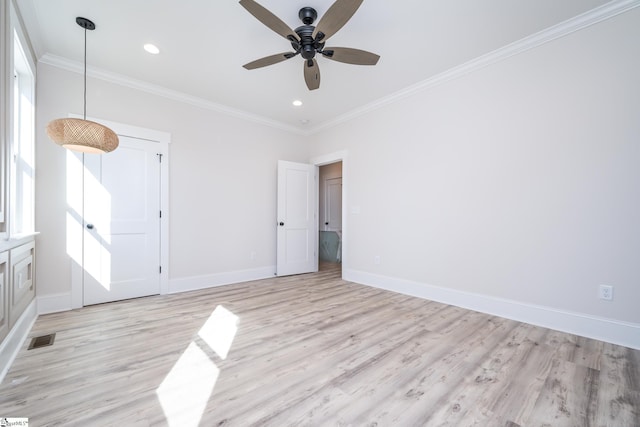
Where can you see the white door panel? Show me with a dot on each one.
(297, 223)
(122, 224)
(333, 216)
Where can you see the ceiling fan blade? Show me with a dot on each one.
(335, 18)
(311, 74)
(351, 56)
(269, 60)
(269, 19)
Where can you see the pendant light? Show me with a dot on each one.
(81, 134)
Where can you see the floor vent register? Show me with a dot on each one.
(42, 341)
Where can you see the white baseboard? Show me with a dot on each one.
(54, 303)
(613, 331)
(62, 302)
(195, 283)
(13, 342)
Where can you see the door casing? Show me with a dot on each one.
(341, 156)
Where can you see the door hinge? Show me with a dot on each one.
(159, 157)
(160, 269)
(160, 214)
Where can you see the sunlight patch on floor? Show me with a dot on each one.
(220, 330)
(185, 391)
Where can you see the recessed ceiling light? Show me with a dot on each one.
(304, 121)
(151, 48)
(297, 103)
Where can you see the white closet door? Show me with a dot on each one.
(121, 252)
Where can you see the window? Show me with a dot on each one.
(22, 147)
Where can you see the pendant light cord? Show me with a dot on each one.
(84, 114)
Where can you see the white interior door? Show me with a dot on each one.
(333, 204)
(121, 254)
(297, 236)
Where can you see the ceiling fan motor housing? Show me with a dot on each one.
(308, 48)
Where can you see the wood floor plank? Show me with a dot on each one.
(313, 350)
(335, 354)
(484, 393)
(619, 391)
(579, 350)
(568, 397)
(430, 376)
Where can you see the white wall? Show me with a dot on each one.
(222, 182)
(520, 182)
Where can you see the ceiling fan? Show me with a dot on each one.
(308, 40)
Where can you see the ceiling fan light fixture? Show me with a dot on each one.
(297, 103)
(81, 134)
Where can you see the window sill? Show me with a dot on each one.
(14, 240)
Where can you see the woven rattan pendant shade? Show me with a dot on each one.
(81, 134)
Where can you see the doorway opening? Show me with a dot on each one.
(330, 216)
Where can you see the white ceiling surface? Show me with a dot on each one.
(204, 44)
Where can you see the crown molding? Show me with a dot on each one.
(587, 19)
(119, 79)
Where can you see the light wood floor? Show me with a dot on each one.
(314, 350)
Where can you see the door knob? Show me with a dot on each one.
(326, 223)
(90, 226)
(281, 224)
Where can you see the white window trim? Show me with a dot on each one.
(17, 222)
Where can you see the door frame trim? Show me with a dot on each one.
(163, 139)
(325, 159)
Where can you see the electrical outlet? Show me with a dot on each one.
(252, 255)
(605, 292)
(376, 259)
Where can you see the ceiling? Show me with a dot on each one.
(204, 44)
